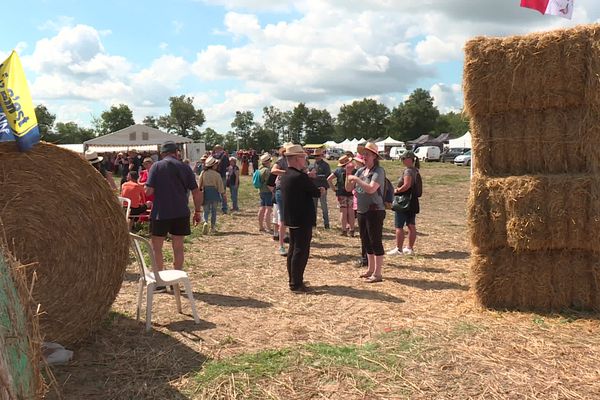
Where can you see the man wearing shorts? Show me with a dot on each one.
(170, 180)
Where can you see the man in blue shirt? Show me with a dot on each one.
(169, 180)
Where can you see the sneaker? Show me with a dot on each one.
(408, 251)
(286, 239)
(344, 233)
(394, 252)
(205, 228)
(301, 289)
(282, 251)
(213, 230)
(276, 237)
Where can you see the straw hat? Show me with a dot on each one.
(372, 147)
(265, 158)
(147, 160)
(92, 157)
(210, 161)
(284, 146)
(343, 160)
(359, 158)
(204, 157)
(295, 150)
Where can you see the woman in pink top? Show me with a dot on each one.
(147, 163)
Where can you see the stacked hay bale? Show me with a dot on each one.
(59, 212)
(534, 209)
(20, 342)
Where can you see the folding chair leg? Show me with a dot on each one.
(140, 295)
(149, 293)
(190, 295)
(177, 294)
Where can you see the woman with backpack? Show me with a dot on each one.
(369, 183)
(408, 185)
(345, 199)
(260, 179)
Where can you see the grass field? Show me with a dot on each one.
(418, 335)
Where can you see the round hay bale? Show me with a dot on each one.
(58, 211)
(20, 376)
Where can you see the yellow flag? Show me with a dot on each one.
(16, 103)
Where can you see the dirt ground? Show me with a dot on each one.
(240, 287)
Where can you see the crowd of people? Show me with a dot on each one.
(290, 190)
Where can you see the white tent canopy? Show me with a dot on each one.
(462, 142)
(331, 143)
(134, 137)
(389, 142)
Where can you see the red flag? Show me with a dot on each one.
(539, 5)
(562, 8)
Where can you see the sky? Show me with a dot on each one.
(237, 55)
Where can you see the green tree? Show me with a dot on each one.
(184, 119)
(71, 133)
(243, 127)
(211, 138)
(415, 117)
(114, 119)
(230, 141)
(319, 126)
(297, 123)
(276, 124)
(150, 121)
(264, 139)
(45, 121)
(365, 118)
(454, 123)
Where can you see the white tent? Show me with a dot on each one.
(464, 141)
(134, 137)
(389, 142)
(331, 143)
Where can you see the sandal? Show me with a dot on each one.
(365, 275)
(374, 279)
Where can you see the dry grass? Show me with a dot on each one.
(419, 334)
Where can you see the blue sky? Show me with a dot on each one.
(82, 57)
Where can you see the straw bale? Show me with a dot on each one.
(535, 212)
(58, 211)
(20, 342)
(552, 141)
(536, 280)
(538, 71)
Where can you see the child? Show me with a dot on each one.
(211, 183)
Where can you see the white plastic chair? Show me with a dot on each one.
(151, 278)
(124, 201)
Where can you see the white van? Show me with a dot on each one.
(395, 152)
(428, 153)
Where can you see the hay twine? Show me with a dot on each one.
(59, 212)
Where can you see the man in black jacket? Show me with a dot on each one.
(298, 191)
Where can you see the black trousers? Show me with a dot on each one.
(298, 253)
(371, 231)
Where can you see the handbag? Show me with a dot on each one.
(401, 202)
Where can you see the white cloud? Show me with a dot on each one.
(163, 46)
(177, 26)
(434, 49)
(447, 97)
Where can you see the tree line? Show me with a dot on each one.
(366, 118)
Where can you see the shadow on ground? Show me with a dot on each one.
(415, 268)
(122, 361)
(429, 285)
(215, 299)
(448, 255)
(347, 291)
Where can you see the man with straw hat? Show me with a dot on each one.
(212, 187)
(299, 214)
(170, 180)
(279, 169)
(96, 161)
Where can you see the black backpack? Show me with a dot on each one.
(418, 189)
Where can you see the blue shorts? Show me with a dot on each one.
(279, 201)
(266, 199)
(404, 218)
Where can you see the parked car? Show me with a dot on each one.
(463, 159)
(428, 153)
(451, 154)
(395, 152)
(333, 153)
